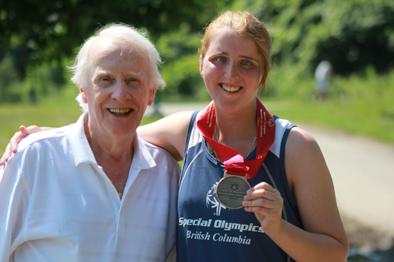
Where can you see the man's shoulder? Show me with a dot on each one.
(36, 147)
(155, 150)
(159, 162)
(51, 135)
(159, 154)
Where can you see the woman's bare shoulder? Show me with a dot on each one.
(168, 133)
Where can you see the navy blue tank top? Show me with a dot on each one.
(207, 231)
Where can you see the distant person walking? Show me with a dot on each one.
(323, 75)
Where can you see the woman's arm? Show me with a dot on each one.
(12, 146)
(168, 133)
(323, 237)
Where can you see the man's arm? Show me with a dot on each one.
(13, 202)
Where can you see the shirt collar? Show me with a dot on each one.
(80, 149)
(82, 153)
(142, 155)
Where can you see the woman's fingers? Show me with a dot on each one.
(12, 146)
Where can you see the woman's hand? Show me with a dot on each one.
(267, 204)
(15, 139)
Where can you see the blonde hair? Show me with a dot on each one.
(247, 25)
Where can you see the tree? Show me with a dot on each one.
(352, 34)
(43, 33)
(34, 31)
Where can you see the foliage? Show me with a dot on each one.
(39, 37)
(180, 67)
(36, 31)
(48, 32)
(360, 104)
(8, 80)
(41, 80)
(351, 34)
(289, 80)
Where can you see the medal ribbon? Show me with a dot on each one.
(234, 162)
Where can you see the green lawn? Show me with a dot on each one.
(360, 118)
(54, 112)
(360, 105)
(356, 117)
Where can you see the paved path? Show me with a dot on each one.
(363, 176)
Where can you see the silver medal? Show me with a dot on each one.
(231, 190)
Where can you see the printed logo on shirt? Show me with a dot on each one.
(212, 202)
(219, 224)
(201, 229)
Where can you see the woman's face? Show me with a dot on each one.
(231, 70)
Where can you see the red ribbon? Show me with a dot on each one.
(234, 162)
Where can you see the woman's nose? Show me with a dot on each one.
(231, 69)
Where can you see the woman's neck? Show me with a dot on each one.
(237, 130)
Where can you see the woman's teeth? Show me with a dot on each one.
(230, 89)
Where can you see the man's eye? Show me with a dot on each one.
(132, 81)
(105, 79)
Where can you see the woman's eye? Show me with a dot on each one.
(247, 64)
(220, 60)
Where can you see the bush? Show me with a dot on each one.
(352, 34)
(180, 70)
(41, 80)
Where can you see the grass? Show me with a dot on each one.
(11, 116)
(352, 117)
(360, 105)
(55, 111)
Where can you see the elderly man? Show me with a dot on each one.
(93, 190)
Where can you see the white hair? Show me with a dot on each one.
(80, 68)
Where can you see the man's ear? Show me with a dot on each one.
(82, 91)
(152, 94)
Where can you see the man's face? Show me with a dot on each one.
(120, 87)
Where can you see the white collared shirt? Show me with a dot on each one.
(57, 204)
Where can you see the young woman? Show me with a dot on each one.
(290, 209)
(254, 187)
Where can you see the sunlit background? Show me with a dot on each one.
(39, 39)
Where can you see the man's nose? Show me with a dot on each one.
(121, 90)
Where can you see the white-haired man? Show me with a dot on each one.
(92, 190)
